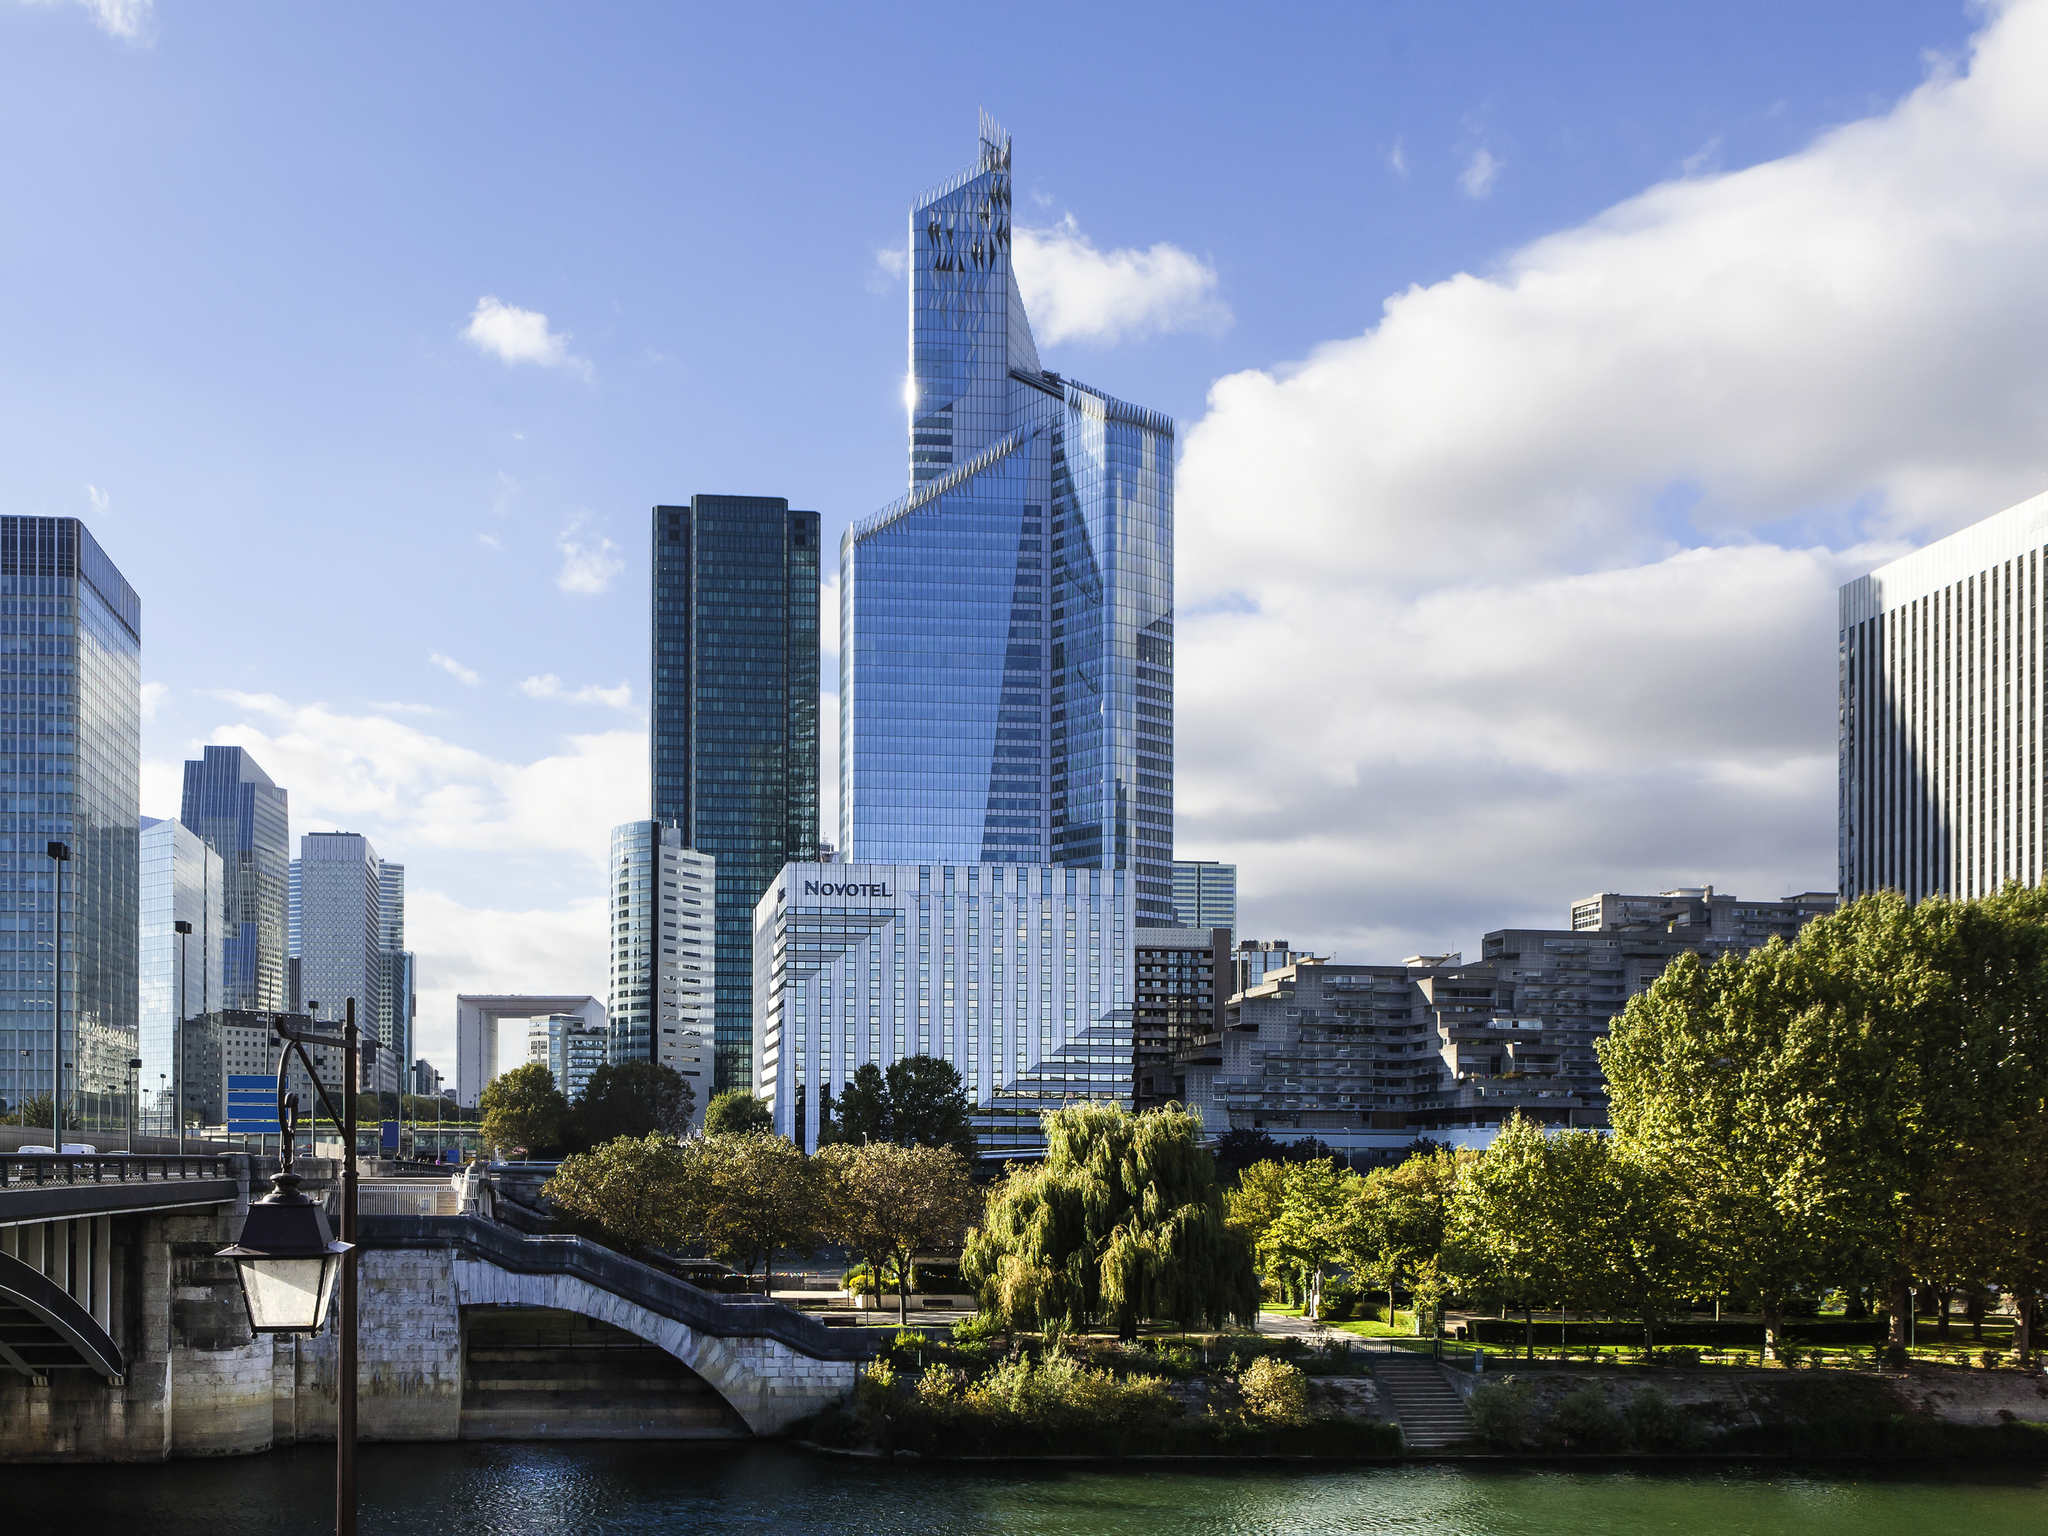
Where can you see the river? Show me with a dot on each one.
(624, 1489)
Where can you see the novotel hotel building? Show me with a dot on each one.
(1020, 975)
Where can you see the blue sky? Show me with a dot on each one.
(1540, 369)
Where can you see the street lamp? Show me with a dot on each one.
(183, 930)
(134, 1093)
(288, 1262)
(60, 855)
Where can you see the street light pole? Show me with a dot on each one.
(60, 855)
(134, 1093)
(184, 931)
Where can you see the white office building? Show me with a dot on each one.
(663, 924)
(183, 881)
(1942, 718)
(571, 1047)
(1020, 975)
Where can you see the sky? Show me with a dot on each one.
(1540, 372)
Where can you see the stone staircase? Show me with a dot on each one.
(1431, 1413)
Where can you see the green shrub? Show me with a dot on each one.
(1500, 1414)
(981, 1328)
(1655, 1423)
(938, 1387)
(1585, 1421)
(1991, 1359)
(876, 1385)
(1274, 1391)
(1684, 1354)
(1339, 1302)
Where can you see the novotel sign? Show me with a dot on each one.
(847, 888)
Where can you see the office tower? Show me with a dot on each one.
(245, 818)
(182, 881)
(426, 1079)
(735, 728)
(341, 933)
(1181, 981)
(1017, 974)
(1204, 894)
(665, 907)
(70, 742)
(1942, 714)
(1006, 646)
(570, 1047)
(1253, 958)
(400, 998)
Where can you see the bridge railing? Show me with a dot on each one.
(609, 1270)
(41, 1170)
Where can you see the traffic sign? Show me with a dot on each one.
(252, 1105)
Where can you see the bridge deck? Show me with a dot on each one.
(43, 1186)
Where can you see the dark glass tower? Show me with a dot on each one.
(735, 740)
(232, 803)
(70, 772)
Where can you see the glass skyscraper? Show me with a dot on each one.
(245, 818)
(182, 882)
(1006, 641)
(735, 730)
(350, 943)
(71, 770)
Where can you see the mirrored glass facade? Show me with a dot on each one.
(71, 767)
(182, 882)
(735, 728)
(231, 802)
(1006, 645)
(1019, 975)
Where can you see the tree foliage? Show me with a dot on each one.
(633, 1098)
(920, 1101)
(630, 1190)
(1123, 1218)
(736, 1112)
(888, 1202)
(523, 1111)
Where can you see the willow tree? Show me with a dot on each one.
(1124, 1218)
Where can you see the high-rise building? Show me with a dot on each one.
(400, 1001)
(340, 896)
(1253, 958)
(71, 751)
(1006, 633)
(664, 900)
(1182, 982)
(1943, 714)
(735, 725)
(183, 882)
(1019, 975)
(1204, 894)
(570, 1047)
(245, 818)
(426, 1079)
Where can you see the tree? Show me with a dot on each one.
(736, 1112)
(1254, 1205)
(1123, 1217)
(887, 1202)
(861, 1112)
(1315, 1225)
(747, 1195)
(630, 1190)
(634, 1098)
(928, 1105)
(1242, 1147)
(33, 1110)
(1507, 1236)
(1403, 1224)
(523, 1110)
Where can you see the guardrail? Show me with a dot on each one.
(42, 1170)
(609, 1270)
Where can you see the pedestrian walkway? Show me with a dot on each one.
(1431, 1412)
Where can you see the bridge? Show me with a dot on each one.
(123, 1336)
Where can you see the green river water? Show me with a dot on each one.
(513, 1490)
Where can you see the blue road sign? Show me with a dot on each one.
(252, 1105)
(387, 1142)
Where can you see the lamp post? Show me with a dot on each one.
(289, 1264)
(60, 855)
(134, 1093)
(183, 930)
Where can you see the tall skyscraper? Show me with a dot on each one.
(1006, 640)
(71, 750)
(245, 818)
(400, 992)
(664, 899)
(735, 730)
(1943, 726)
(342, 932)
(183, 881)
(1204, 894)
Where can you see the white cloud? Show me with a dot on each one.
(1397, 159)
(548, 686)
(401, 707)
(129, 20)
(467, 676)
(513, 335)
(152, 696)
(589, 565)
(100, 499)
(1074, 291)
(492, 948)
(1480, 172)
(490, 541)
(1556, 609)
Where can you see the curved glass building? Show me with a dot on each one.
(1006, 649)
